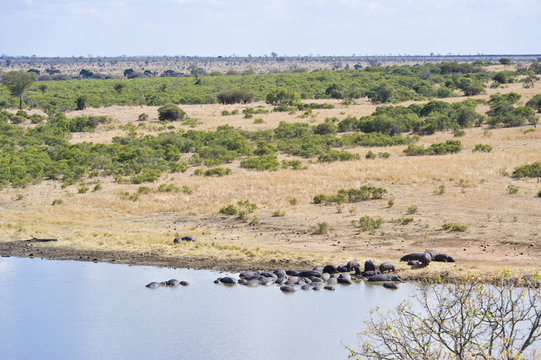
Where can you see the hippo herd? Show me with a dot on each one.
(321, 277)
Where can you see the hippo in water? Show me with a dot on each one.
(384, 277)
(154, 285)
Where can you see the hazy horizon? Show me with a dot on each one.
(65, 28)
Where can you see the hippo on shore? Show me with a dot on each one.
(330, 269)
(443, 258)
(351, 265)
(178, 240)
(386, 267)
(423, 258)
(369, 265)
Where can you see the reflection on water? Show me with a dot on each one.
(78, 310)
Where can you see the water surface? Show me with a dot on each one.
(78, 310)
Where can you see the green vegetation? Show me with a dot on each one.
(279, 213)
(369, 224)
(482, 148)
(242, 209)
(366, 192)
(171, 112)
(17, 82)
(412, 209)
(528, 170)
(454, 227)
(448, 147)
(504, 112)
(381, 84)
(512, 189)
(322, 228)
(217, 171)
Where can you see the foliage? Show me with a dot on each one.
(217, 171)
(282, 96)
(171, 112)
(448, 147)
(512, 189)
(454, 227)
(369, 224)
(412, 209)
(535, 103)
(503, 112)
(528, 170)
(364, 193)
(263, 162)
(482, 148)
(235, 96)
(279, 213)
(17, 82)
(462, 320)
(322, 228)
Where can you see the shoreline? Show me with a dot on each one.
(441, 272)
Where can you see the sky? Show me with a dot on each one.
(286, 27)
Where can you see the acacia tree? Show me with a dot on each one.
(17, 82)
(465, 320)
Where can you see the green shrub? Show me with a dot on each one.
(366, 192)
(455, 227)
(264, 162)
(367, 223)
(512, 189)
(168, 188)
(337, 155)
(235, 96)
(293, 164)
(259, 121)
(370, 155)
(405, 221)
(146, 175)
(384, 155)
(482, 148)
(144, 190)
(412, 210)
(450, 146)
(171, 112)
(440, 190)
(459, 133)
(295, 201)
(539, 194)
(57, 202)
(83, 189)
(279, 213)
(225, 113)
(142, 117)
(229, 210)
(322, 228)
(528, 170)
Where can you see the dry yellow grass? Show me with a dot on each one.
(503, 229)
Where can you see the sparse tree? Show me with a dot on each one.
(17, 82)
(281, 96)
(80, 102)
(464, 320)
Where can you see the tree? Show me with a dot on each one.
(80, 102)
(381, 94)
(535, 103)
(464, 320)
(505, 61)
(128, 72)
(17, 82)
(171, 112)
(281, 96)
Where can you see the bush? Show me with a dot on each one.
(337, 155)
(279, 213)
(322, 228)
(171, 112)
(370, 155)
(455, 227)
(367, 223)
(412, 210)
(281, 96)
(450, 146)
(512, 189)
(459, 133)
(229, 210)
(142, 117)
(482, 148)
(264, 162)
(528, 170)
(235, 96)
(217, 171)
(364, 193)
(167, 188)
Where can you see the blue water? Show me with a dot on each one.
(79, 310)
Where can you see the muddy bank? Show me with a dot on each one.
(48, 250)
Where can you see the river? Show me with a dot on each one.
(82, 310)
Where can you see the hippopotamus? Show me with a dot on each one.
(309, 273)
(332, 281)
(242, 281)
(306, 287)
(253, 282)
(292, 272)
(185, 238)
(325, 276)
(384, 277)
(390, 286)
(357, 270)
(280, 273)
(315, 279)
(369, 265)
(184, 283)
(269, 275)
(330, 269)
(172, 282)
(154, 285)
(329, 287)
(386, 267)
(248, 273)
(344, 278)
(228, 280)
(351, 265)
(443, 258)
(423, 258)
(342, 268)
(317, 286)
(370, 273)
(287, 288)
(318, 268)
(266, 281)
(280, 281)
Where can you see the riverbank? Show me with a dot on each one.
(444, 272)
